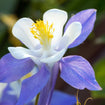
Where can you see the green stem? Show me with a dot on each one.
(37, 98)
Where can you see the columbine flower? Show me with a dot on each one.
(46, 44)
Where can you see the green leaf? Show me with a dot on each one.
(2, 32)
(8, 6)
(100, 40)
(99, 68)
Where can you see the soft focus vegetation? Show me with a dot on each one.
(92, 49)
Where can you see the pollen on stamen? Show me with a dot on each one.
(43, 32)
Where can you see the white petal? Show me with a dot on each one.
(72, 32)
(57, 18)
(15, 88)
(2, 87)
(21, 53)
(55, 57)
(21, 30)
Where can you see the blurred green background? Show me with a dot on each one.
(93, 49)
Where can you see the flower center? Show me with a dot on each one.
(43, 32)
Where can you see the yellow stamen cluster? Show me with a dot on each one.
(43, 32)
